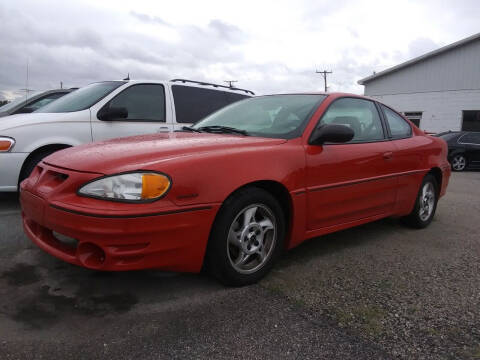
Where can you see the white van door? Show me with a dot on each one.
(138, 109)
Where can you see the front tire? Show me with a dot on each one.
(459, 162)
(30, 165)
(425, 205)
(247, 237)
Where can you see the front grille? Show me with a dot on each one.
(66, 240)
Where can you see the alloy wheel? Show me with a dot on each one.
(427, 201)
(251, 238)
(459, 162)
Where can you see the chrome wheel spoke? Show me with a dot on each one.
(266, 225)
(249, 215)
(234, 238)
(242, 258)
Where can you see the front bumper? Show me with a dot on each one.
(172, 239)
(10, 166)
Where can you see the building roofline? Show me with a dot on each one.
(419, 58)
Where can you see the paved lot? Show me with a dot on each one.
(377, 291)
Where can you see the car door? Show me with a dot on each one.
(407, 157)
(355, 180)
(145, 105)
(471, 142)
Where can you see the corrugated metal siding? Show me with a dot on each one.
(454, 70)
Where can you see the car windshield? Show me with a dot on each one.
(275, 116)
(14, 103)
(82, 98)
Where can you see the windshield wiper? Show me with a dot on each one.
(222, 129)
(188, 128)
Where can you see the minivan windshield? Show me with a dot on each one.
(274, 116)
(82, 98)
(14, 103)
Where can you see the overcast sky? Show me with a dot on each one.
(268, 46)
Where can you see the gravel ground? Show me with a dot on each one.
(373, 292)
(416, 293)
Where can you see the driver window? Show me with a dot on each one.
(145, 102)
(358, 114)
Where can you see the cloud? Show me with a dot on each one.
(268, 46)
(149, 19)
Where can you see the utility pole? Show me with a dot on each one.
(61, 84)
(324, 74)
(230, 82)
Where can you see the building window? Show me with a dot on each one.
(414, 116)
(471, 120)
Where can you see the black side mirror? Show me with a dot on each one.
(108, 113)
(331, 133)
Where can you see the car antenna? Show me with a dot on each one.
(128, 77)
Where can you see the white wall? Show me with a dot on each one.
(442, 110)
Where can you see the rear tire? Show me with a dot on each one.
(247, 237)
(425, 204)
(459, 162)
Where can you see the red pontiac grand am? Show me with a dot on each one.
(234, 190)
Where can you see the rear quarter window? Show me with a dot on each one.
(399, 127)
(193, 104)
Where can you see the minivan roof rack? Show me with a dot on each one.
(210, 84)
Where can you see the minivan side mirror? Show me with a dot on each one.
(108, 113)
(331, 133)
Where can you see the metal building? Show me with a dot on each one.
(438, 91)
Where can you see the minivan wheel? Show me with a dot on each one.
(247, 237)
(425, 205)
(459, 162)
(31, 163)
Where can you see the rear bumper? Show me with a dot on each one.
(173, 240)
(10, 167)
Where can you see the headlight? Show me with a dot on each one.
(128, 187)
(6, 144)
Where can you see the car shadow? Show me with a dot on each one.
(338, 241)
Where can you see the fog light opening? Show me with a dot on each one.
(90, 255)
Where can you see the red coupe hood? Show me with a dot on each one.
(139, 151)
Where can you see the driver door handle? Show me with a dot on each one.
(388, 155)
(163, 129)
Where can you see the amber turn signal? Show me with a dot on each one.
(6, 144)
(154, 185)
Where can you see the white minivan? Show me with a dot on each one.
(101, 111)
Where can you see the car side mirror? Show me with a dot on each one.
(331, 133)
(112, 113)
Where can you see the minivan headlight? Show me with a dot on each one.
(139, 186)
(6, 144)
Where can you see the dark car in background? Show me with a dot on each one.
(34, 102)
(463, 149)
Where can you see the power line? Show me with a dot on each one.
(324, 74)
